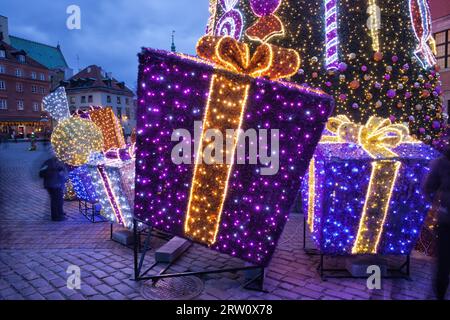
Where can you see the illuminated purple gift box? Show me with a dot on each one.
(363, 190)
(175, 92)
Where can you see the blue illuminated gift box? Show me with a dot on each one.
(109, 181)
(83, 185)
(113, 181)
(363, 193)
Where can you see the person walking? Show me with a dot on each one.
(54, 174)
(33, 144)
(437, 187)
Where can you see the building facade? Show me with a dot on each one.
(23, 84)
(49, 56)
(94, 87)
(440, 11)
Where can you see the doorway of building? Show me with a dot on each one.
(20, 132)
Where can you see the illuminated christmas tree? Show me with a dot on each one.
(374, 56)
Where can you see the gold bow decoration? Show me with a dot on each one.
(378, 137)
(267, 61)
(225, 108)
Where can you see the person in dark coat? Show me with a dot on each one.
(437, 186)
(54, 173)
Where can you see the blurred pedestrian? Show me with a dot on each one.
(54, 174)
(33, 143)
(437, 188)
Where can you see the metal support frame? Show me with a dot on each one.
(402, 272)
(255, 284)
(88, 211)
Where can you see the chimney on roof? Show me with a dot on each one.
(4, 31)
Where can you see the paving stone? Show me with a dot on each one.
(54, 296)
(116, 296)
(124, 289)
(104, 289)
(112, 281)
(87, 290)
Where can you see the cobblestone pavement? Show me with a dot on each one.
(35, 254)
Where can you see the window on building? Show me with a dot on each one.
(443, 48)
(108, 99)
(19, 72)
(20, 105)
(83, 99)
(127, 101)
(128, 113)
(2, 69)
(72, 100)
(2, 54)
(41, 90)
(33, 89)
(90, 99)
(3, 104)
(119, 100)
(2, 85)
(21, 58)
(119, 113)
(19, 87)
(42, 77)
(33, 75)
(35, 106)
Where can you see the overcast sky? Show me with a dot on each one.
(112, 31)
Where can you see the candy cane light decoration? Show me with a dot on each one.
(421, 22)
(331, 34)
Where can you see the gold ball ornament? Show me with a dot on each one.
(74, 139)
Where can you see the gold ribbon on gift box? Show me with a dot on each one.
(378, 137)
(225, 110)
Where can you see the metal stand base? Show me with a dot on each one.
(402, 272)
(144, 231)
(88, 211)
(256, 284)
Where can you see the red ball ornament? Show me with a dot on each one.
(378, 56)
(354, 85)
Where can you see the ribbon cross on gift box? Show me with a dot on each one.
(378, 137)
(225, 110)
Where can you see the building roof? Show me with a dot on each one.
(49, 56)
(94, 78)
(12, 54)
